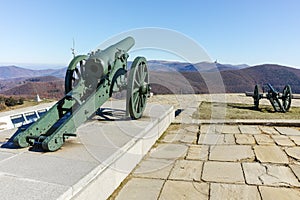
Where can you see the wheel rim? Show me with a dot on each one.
(138, 87)
(287, 97)
(256, 97)
(118, 81)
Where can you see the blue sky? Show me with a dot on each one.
(40, 32)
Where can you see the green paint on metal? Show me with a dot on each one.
(88, 86)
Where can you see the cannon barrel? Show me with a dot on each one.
(271, 88)
(99, 62)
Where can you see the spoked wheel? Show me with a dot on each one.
(138, 87)
(74, 73)
(256, 97)
(118, 82)
(287, 97)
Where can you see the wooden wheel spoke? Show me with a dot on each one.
(135, 90)
(136, 83)
(140, 73)
(135, 98)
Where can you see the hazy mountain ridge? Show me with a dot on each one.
(9, 72)
(165, 77)
(158, 65)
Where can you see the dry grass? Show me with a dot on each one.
(242, 111)
(26, 104)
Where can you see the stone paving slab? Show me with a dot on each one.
(288, 131)
(234, 153)
(231, 129)
(187, 170)
(293, 152)
(230, 191)
(138, 188)
(180, 138)
(244, 139)
(248, 129)
(223, 172)
(263, 139)
(295, 139)
(169, 151)
(273, 193)
(208, 129)
(268, 130)
(270, 154)
(197, 152)
(154, 168)
(271, 175)
(219, 129)
(184, 190)
(216, 139)
(282, 140)
(191, 128)
(228, 139)
(296, 169)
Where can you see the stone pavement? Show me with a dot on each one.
(211, 161)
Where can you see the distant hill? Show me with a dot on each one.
(277, 75)
(235, 81)
(165, 77)
(47, 87)
(9, 72)
(172, 66)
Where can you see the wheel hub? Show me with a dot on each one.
(144, 88)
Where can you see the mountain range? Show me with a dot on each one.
(9, 72)
(165, 77)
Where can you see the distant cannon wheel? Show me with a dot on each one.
(287, 97)
(138, 87)
(74, 74)
(256, 97)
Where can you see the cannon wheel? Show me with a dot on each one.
(287, 97)
(118, 81)
(74, 73)
(256, 97)
(276, 104)
(137, 87)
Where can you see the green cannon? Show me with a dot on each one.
(89, 82)
(274, 97)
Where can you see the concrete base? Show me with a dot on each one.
(90, 166)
